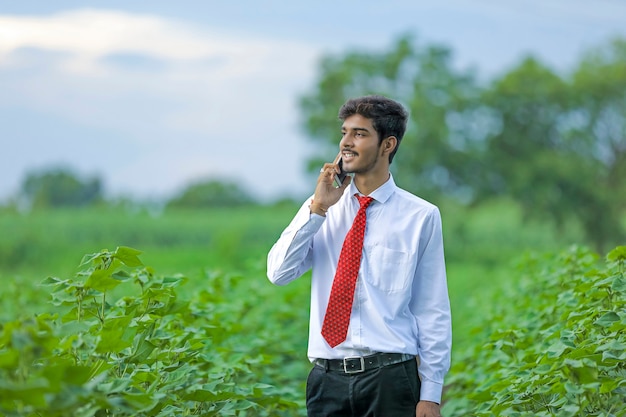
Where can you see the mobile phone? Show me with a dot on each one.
(342, 174)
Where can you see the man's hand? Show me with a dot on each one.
(427, 409)
(325, 192)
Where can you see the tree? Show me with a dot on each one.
(424, 80)
(599, 123)
(211, 193)
(526, 157)
(59, 187)
(554, 143)
(561, 146)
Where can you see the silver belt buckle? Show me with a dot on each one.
(353, 371)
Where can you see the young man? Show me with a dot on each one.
(392, 359)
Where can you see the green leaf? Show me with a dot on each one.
(141, 401)
(571, 409)
(115, 336)
(101, 280)
(173, 281)
(612, 344)
(9, 358)
(557, 348)
(52, 281)
(68, 373)
(115, 385)
(609, 385)
(617, 254)
(32, 392)
(144, 349)
(607, 319)
(619, 284)
(573, 389)
(91, 258)
(582, 371)
(128, 256)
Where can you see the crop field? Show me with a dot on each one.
(191, 325)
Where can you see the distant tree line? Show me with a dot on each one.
(59, 187)
(554, 142)
(62, 188)
(212, 193)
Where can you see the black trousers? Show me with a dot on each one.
(389, 391)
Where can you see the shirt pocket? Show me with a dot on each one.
(388, 269)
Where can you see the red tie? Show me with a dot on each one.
(335, 327)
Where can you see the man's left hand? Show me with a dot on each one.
(427, 409)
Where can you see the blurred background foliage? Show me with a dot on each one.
(553, 142)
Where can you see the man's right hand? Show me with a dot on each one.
(326, 194)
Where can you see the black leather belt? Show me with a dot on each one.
(356, 364)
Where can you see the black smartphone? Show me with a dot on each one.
(342, 175)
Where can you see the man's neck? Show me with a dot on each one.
(366, 184)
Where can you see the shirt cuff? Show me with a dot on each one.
(317, 219)
(431, 391)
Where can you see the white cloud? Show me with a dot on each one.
(87, 36)
(186, 100)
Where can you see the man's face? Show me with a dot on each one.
(359, 145)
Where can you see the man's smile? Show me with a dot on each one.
(347, 156)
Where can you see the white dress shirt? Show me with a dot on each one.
(401, 300)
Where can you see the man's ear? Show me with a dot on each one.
(389, 144)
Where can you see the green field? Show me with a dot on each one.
(222, 252)
(481, 246)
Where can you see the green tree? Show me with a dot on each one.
(211, 193)
(526, 157)
(598, 125)
(423, 79)
(561, 145)
(59, 187)
(554, 143)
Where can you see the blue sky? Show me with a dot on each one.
(152, 95)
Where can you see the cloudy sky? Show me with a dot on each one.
(150, 95)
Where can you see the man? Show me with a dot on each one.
(392, 359)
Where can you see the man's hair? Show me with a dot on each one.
(388, 117)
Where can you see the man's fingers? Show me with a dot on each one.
(328, 170)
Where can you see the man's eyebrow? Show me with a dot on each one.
(364, 129)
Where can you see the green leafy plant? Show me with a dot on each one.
(554, 346)
(120, 342)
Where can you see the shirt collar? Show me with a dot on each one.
(382, 193)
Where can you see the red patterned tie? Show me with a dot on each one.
(335, 327)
